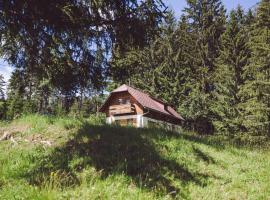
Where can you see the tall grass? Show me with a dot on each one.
(90, 160)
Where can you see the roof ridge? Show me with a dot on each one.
(151, 96)
(140, 90)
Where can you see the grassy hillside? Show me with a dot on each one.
(63, 158)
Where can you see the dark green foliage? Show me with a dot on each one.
(163, 65)
(178, 65)
(3, 110)
(15, 106)
(2, 89)
(63, 46)
(2, 98)
(229, 76)
(86, 106)
(256, 91)
(207, 22)
(215, 71)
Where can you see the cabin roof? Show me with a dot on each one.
(146, 101)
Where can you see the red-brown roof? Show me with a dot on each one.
(147, 101)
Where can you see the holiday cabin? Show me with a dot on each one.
(127, 106)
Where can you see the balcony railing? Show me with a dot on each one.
(121, 109)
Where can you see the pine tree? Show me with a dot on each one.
(234, 57)
(15, 94)
(249, 18)
(207, 21)
(2, 98)
(2, 89)
(173, 75)
(256, 93)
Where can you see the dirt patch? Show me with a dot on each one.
(15, 128)
(38, 139)
(12, 131)
(14, 134)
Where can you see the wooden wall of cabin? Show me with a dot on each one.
(114, 100)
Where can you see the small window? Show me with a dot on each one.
(125, 122)
(124, 101)
(121, 101)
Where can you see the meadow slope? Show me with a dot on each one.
(66, 158)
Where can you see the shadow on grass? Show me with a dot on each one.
(216, 143)
(203, 156)
(222, 142)
(118, 150)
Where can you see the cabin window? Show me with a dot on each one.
(122, 101)
(125, 122)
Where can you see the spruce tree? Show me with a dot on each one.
(175, 72)
(174, 75)
(256, 92)
(15, 94)
(234, 57)
(207, 21)
(2, 98)
(2, 89)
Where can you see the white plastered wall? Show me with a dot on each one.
(111, 119)
(142, 121)
(166, 125)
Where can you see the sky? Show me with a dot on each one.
(176, 5)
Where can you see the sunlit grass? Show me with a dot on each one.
(89, 160)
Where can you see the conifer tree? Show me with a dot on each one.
(207, 21)
(249, 18)
(234, 57)
(174, 73)
(2, 85)
(2, 98)
(256, 92)
(15, 94)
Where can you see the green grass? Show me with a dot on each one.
(86, 159)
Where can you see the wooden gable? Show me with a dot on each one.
(128, 106)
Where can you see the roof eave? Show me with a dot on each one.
(164, 113)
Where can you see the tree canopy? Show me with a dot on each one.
(64, 45)
(211, 65)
